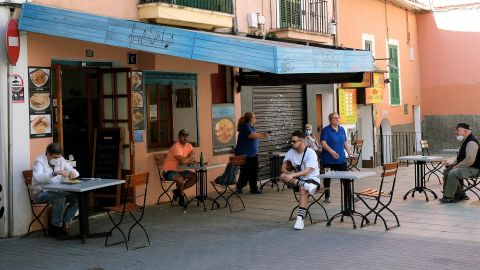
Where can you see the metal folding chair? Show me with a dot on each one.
(130, 204)
(357, 151)
(315, 201)
(165, 185)
(381, 198)
(432, 168)
(27, 175)
(234, 164)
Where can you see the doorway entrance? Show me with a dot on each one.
(87, 98)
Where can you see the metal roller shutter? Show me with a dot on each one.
(281, 109)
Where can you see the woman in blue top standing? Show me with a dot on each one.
(247, 144)
(334, 141)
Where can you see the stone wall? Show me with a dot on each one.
(439, 130)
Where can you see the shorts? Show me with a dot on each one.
(170, 174)
(310, 181)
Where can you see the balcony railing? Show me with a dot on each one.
(224, 6)
(307, 15)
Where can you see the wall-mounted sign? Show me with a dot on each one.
(138, 109)
(378, 80)
(366, 82)
(13, 41)
(17, 88)
(347, 103)
(373, 95)
(223, 128)
(132, 58)
(40, 101)
(89, 53)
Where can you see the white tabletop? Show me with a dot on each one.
(421, 158)
(198, 167)
(346, 175)
(84, 185)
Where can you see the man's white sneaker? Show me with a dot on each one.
(311, 188)
(299, 224)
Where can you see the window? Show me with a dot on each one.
(159, 112)
(171, 106)
(368, 45)
(290, 11)
(394, 75)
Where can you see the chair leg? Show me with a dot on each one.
(220, 195)
(137, 222)
(37, 218)
(234, 193)
(116, 226)
(165, 192)
(317, 201)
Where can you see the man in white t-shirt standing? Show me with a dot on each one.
(300, 171)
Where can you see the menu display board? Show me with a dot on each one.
(223, 125)
(40, 101)
(138, 109)
(107, 153)
(347, 103)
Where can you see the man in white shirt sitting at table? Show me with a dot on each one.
(48, 168)
(300, 172)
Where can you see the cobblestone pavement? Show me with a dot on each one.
(431, 236)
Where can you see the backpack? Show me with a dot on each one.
(228, 176)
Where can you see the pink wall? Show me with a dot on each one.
(450, 64)
(42, 49)
(368, 16)
(125, 9)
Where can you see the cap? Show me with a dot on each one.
(463, 125)
(183, 131)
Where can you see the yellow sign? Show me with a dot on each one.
(373, 95)
(366, 82)
(378, 80)
(347, 103)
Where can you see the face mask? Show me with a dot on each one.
(55, 161)
(308, 132)
(459, 138)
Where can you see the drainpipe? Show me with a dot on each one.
(335, 19)
(235, 20)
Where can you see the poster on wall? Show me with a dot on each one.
(40, 126)
(39, 78)
(17, 88)
(138, 109)
(347, 103)
(40, 101)
(223, 128)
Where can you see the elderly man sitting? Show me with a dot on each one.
(467, 164)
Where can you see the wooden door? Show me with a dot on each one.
(115, 109)
(57, 123)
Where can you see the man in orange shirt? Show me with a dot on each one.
(181, 153)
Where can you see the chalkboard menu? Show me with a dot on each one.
(107, 153)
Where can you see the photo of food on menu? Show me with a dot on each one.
(39, 77)
(40, 124)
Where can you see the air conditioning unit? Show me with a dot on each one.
(252, 19)
(261, 19)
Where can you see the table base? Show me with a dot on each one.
(201, 199)
(350, 214)
(420, 190)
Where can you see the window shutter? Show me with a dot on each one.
(394, 76)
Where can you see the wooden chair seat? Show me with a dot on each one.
(119, 208)
(370, 192)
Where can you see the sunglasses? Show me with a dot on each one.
(294, 141)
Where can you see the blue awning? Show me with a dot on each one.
(243, 52)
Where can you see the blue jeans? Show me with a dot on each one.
(61, 213)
